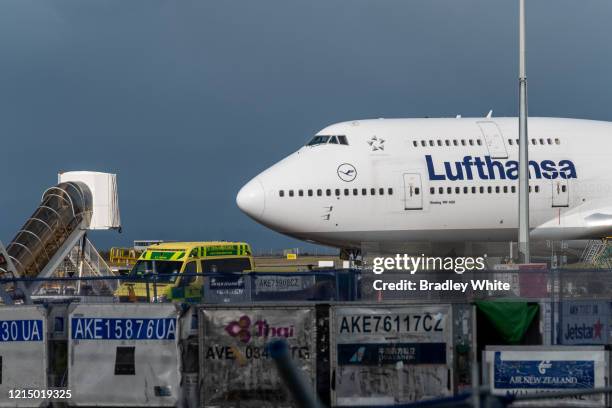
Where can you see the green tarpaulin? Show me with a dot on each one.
(511, 319)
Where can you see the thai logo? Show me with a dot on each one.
(245, 331)
(240, 328)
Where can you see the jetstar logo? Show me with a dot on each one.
(583, 331)
(490, 169)
(244, 331)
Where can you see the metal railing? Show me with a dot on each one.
(227, 287)
(64, 209)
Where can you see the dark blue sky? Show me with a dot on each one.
(187, 100)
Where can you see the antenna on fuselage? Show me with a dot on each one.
(523, 237)
(490, 114)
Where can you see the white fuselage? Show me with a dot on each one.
(438, 180)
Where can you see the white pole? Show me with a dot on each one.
(523, 237)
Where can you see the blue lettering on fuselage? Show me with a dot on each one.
(491, 169)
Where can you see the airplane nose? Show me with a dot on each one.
(251, 199)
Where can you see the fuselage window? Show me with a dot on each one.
(465, 190)
(541, 141)
(517, 141)
(481, 189)
(457, 190)
(510, 142)
(346, 191)
(549, 141)
(337, 191)
(290, 193)
(563, 188)
(513, 189)
(390, 191)
(423, 143)
(479, 142)
(497, 189)
(455, 142)
(537, 189)
(281, 193)
(431, 143)
(301, 193)
(462, 142)
(364, 191)
(381, 191)
(309, 193)
(440, 190)
(319, 192)
(417, 191)
(447, 142)
(415, 143)
(355, 192)
(533, 141)
(471, 142)
(432, 190)
(473, 190)
(489, 189)
(505, 189)
(342, 140)
(439, 142)
(557, 141)
(333, 140)
(328, 192)
(449, 190)
(372, 191)
(317, 140)
(530, 189)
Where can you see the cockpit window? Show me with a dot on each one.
(318, 140)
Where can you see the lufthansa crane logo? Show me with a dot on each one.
(347, 172)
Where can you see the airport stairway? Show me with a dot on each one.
(597, 252)
(56, 226)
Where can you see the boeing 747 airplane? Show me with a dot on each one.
(438, 181)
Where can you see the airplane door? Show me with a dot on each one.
(494, 140)
(560, 193)
(413, 192)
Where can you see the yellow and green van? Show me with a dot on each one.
(168, 264)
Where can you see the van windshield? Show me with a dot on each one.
(167, 271)
(226, 265)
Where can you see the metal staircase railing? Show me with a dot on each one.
(92, 265)
(594, 251)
